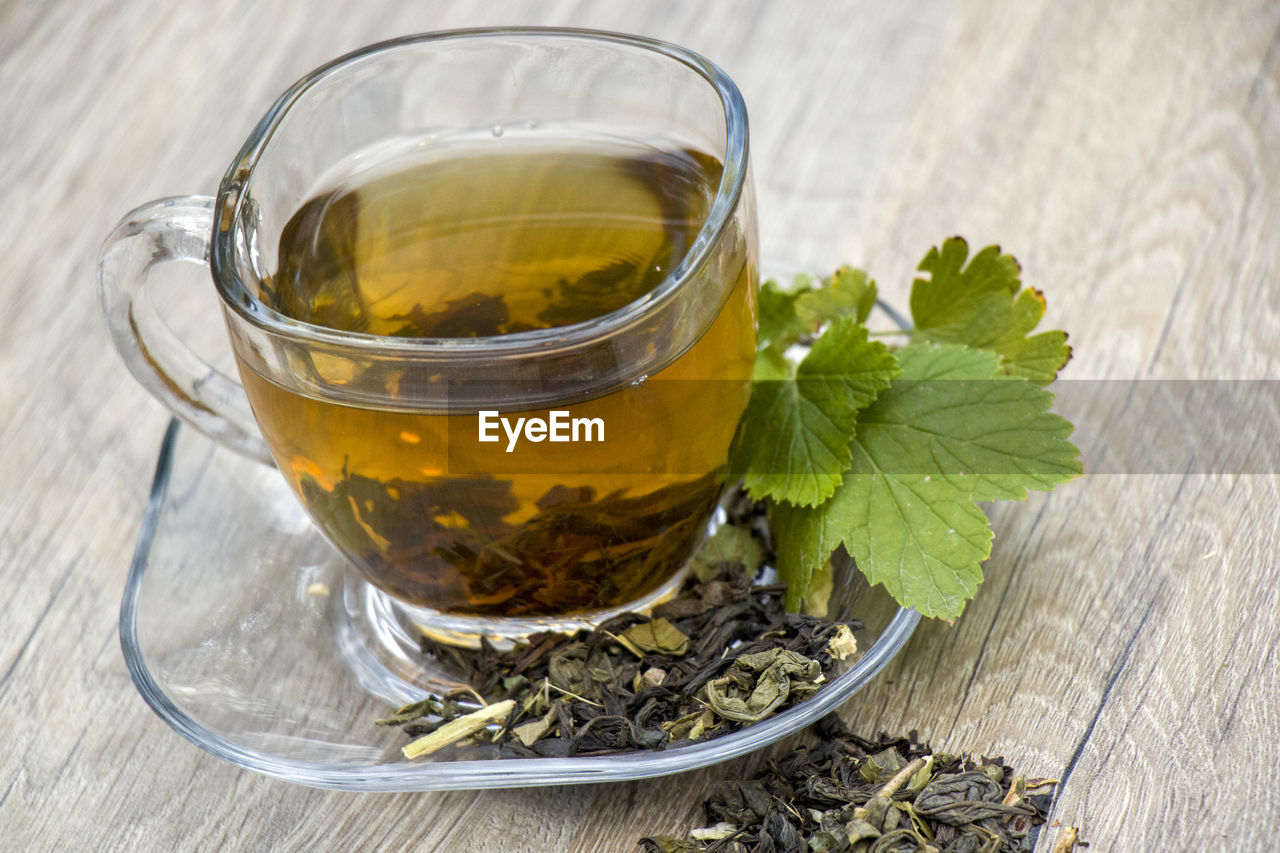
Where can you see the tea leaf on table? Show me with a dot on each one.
(949, 432)
(816, 799)
(794, 440)
(983, 306)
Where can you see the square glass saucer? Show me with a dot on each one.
(242, 631)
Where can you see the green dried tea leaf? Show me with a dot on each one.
(860, 830)
(882, 766)
(531, 732)
(983, 306)
(922, 776)
(729, 545)
(414, 710)
(511, 683)
(793, 443)
(670, 844)
(657, 635)
(567, 668)
(756, 685)
(824, 840)
(691, 726)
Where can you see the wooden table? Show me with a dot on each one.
(1128, 153)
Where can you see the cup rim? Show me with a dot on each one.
(229, 201)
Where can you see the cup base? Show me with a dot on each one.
(379, 637)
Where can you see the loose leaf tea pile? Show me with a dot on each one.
(846, 794)
(722, 654)
(887, 450)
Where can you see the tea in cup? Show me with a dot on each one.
(492, 299)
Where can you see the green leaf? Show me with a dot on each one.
(793, 443)
(923, 540)
(983, 306)
(951, 430)
(780, 326)
(847, 293)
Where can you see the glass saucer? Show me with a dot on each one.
(243, 630)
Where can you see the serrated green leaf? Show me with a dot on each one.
(952, 414)
(794, 441)
(923, 540)
(950, 430)
(847, 293)
(983, 306)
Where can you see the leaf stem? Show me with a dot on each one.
(890, 333)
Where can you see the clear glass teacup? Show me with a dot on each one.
(492, 299)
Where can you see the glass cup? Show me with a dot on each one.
(495, 484)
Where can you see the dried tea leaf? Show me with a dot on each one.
(714, 833)
(533, 731)
(1066, 842)
(860, 830)
(413, 711)
(669, 844)
(842, 644)
(455, 730)
(882, 766)
(730, 545)
(657, 635)
(756, 685)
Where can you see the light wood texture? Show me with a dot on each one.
(1128, 153)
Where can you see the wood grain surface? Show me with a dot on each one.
(1128, 153)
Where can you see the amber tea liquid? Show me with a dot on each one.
(488, 240)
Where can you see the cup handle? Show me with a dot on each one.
(171, 229)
